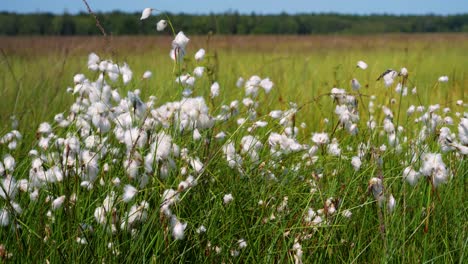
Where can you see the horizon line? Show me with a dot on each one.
(230, 11)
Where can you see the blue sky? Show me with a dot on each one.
(245, 6)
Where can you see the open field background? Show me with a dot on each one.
(35, 71)
(426, 225)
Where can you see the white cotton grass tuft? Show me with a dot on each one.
(180, 40)
(242, 243)
(16, 207)
(9, 163)
(214, 90)
(200, 54)
(201, 229)
(463, 150)
(356, 162)
(346, 213)
(4, 217)
(93, 61)
(297, 248)
(161, 25)
(44, 128)
(126, 72)
(79, 78)
(284, 143)
(355, 84)
(389, 77)
(8, 188)
(227, 198)
(362, 65)
(240, 82)
(434, 167)
(276, 114)
(320, 138)
(233, 159)
(411, 175)
(196, 135)
(146, 13)
(178, 228)
(198, 71)
(253, 84)
(334, 148)
(147, 75)
(129, 193)
(57, 203)
(404, 72)
(220, 136)
(178, 47)
(443, 79)
(266, 84)
(196, 164)
(411, 110)
(391, 203)
(463, 131)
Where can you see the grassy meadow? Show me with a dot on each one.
(298, 200)
(36, 70)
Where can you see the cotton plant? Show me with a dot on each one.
(179, 47)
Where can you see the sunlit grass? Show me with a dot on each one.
(271, 196)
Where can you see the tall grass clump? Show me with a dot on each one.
(118, 177)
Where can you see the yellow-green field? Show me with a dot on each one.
(300, 67)
(301, 174)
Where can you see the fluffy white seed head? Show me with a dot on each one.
(178, 228)
(161, 25)
(198, 71)
(346, 213)
(200, 54)
(129, 193)
(242, 243)
(356, 162)
(320, 138)
(227, 198)
(146, 13)
(404, 72)
(443, 79)
(45, 128)
(434, 167)
(362, 65)
(147, 75)
(410, 175)
(463, 131)
(201, 229)
(355, 84)
(9, 163)
(391, 203)
(58, 202)
(214, 90)
(4, 217)
(180, 40)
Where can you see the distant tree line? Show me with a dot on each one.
(120, 23)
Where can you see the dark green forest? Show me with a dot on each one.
(119, 23)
